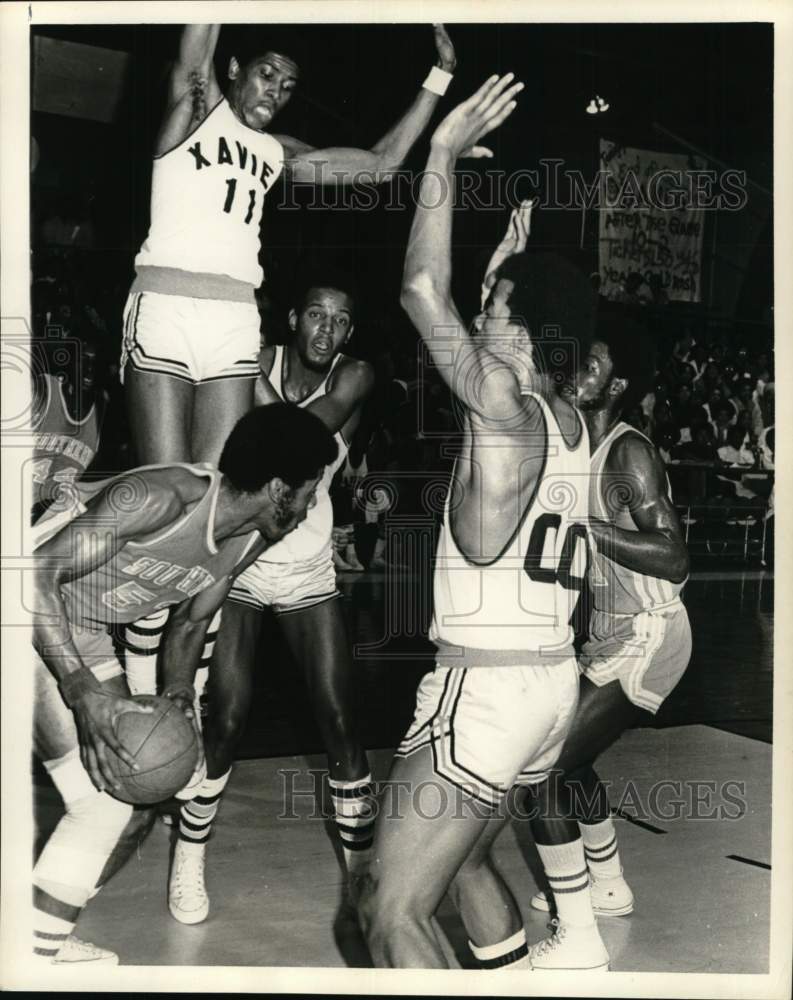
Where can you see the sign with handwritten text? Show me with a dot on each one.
(649, 224)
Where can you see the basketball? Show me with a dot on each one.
(165, 747)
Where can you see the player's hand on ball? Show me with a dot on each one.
(447, 57)
(491, 105)
(97, 713)
(184, 696)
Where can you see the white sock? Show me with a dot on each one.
(600, 849)
(142, 646)
(567, 874)
(197, 815)
(511, 953)
(353, 806)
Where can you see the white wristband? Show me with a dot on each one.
(437, 81)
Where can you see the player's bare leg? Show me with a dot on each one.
(230, 679)
(77, 853)
(317, 638)
(160, 410)
(416, 854)
(575, 803)
(487, 908)
(217, 406)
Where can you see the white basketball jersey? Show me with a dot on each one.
(617, 589)
(310, 537)
(207, 196)
(523, 601)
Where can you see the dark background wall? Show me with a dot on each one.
(710, 85)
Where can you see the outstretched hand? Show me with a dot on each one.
(447, 57)
(491, 105)
(97, 714)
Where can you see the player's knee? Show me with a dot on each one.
(337, 728)
(468, 876)
(385, 908)
(226, 724)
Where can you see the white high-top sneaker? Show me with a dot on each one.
(574, 948)
(611, 897)
(75, 952)
(187, 895)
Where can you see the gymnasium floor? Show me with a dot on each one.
(276, 885)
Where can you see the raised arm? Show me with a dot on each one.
(426, 281)
(637, 478)
(342, 165)
(193, 89)
(513, 241)
(80, 547)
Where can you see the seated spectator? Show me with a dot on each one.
(637, 419)
(735, 451)
(722, 422)
(702, 447)
(713, 400)
(710, 376)
(683, 345)
(744, 400)
(666, 441)
(762, 374)
(663, 419)
(698, 360)
(766, 448)
(686, 412)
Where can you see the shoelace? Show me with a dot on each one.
(551, 942)
(184, 873)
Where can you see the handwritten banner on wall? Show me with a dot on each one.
(647, 225)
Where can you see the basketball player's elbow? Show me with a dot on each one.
(420, 291)
(676, 566)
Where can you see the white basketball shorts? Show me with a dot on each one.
(196, 340)
(287, 587)
(492, 727)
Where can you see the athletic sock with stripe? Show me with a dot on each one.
(567, 875)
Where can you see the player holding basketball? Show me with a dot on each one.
(297, 579)
(191, 328)
(156, 536)
(639, 640)
(509, 569)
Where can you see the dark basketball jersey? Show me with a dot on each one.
(63, 447)
(154, 571)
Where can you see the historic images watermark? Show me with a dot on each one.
(557, 187)
(667, 800)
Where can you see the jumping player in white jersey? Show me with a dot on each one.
(191, 327)
(639, 641)
(297, 579)
(153, 537)
(510, 565)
